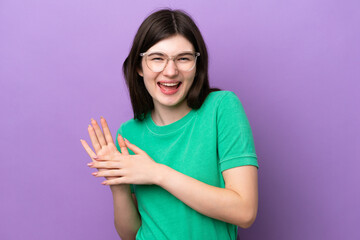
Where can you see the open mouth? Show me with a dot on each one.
(169, 85)
(169, 88)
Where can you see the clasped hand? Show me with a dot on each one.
(118, 167)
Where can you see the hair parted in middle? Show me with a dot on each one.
(156, 27)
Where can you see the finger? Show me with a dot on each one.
(94, 139)
(105, 164)
(88, 149)
(116, 181)
(122, 145)
(98, 132)
(134, 148)
(108, 173)
(103, 158)
(106, 130)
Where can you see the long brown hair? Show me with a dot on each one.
(156, 27)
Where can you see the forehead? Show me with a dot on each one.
(173, 45)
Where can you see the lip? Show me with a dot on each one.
(169, 91)
(168, 81)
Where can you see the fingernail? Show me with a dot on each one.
(126, 140)
(90, 164)
(96, 157)
(95, 173)
(103, 183)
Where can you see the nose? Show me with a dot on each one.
(170, 69)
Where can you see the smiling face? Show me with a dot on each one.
(169, 87)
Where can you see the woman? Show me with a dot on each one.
(192, 169)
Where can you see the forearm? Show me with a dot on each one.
(126, 217)
(219, 203)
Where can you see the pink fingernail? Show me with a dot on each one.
(90, 164)
(103, 183)
(95, 173)
(96, 157)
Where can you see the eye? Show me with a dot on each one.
(184, 59)
(156, 58)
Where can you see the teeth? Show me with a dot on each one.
(169, 84)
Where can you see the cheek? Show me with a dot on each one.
(150, 81)
(148, 74)
(148, 84)
(149, 88)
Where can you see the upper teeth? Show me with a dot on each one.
(169, 84)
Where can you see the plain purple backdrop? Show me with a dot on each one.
(293, 64)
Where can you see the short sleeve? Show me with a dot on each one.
(235, 140)
(119, 131)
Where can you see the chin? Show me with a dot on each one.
(175, 102)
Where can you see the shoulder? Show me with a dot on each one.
(221, 99)
(224, 105)
(218, 97)
(130, 125)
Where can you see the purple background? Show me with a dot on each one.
(293, 64)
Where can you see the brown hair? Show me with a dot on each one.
(156, 27)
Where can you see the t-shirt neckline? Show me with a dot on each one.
(172, 127)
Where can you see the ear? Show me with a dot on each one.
(140, 72)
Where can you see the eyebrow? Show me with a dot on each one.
(163, 54)
(185, 53)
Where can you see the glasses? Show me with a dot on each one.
(157, 61)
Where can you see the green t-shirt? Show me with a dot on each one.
(201, 145)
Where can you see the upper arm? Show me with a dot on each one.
(237, 156)
(244, 181)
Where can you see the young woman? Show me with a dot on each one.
(191, 172)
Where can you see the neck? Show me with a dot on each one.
(166, 115)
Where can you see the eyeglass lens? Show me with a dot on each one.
(157, 61)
